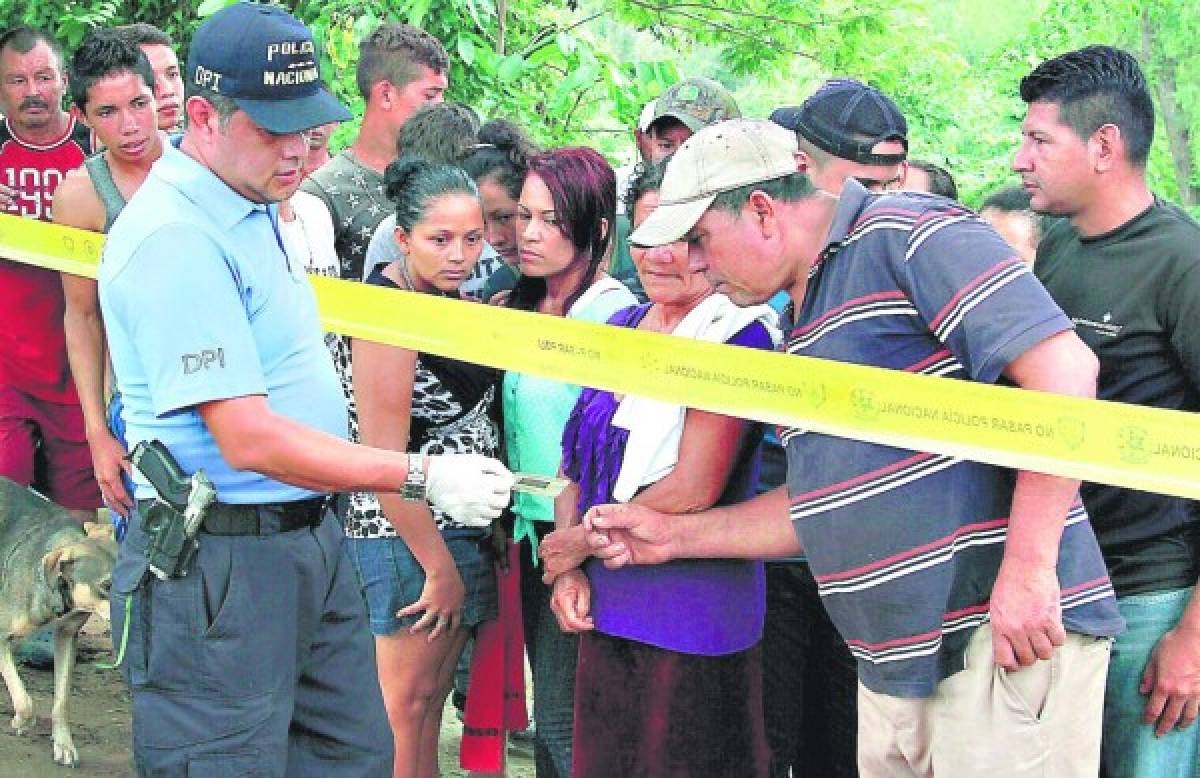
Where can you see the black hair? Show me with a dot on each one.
(224, 104)
(647, 177)
(789, 189)
(940, 180)
(103, 54)
(22, 39)
(439, 132)
(663, 125)
(1015, 199)
(1094, 86)
(394, 52)
(413, 183)
(1008, 199)
(143, 34)
(502, 153)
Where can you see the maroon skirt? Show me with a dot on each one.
(643, 711)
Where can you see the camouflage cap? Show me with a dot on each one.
(698, 103)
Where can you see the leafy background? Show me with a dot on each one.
(578, 71)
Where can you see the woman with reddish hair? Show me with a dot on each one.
(566, 218)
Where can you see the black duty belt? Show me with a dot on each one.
(265, 519)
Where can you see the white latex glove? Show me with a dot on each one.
(471, 488)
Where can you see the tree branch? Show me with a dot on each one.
(501, 25)
(730, 30)
(578, 99)
(662, 8)
(1177, 130)
(542, 37)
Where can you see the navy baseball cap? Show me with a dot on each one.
(263, 59)
(847, 118)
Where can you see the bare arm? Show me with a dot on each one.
(383, 383)
(632, 534)
(708, 449)
(76, 205)
(566, 548)
(8, 196)
(562, 551)
(1025, 609)
(86, 347)
(251, 436)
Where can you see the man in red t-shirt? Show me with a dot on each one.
(39, 144)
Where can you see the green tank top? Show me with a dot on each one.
(106, 188)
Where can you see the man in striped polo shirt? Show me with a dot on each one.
(973, 597)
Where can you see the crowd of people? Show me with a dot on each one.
(705, 597)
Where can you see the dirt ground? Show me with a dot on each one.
(100, 723)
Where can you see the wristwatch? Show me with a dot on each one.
(414, 484)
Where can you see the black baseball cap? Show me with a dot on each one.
(263, 58)
(847, 118)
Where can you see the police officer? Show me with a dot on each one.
(259, 659)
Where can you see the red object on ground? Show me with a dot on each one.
(496, 695)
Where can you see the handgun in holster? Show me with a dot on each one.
(174, 518)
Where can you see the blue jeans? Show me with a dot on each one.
(393, 579)
(1130, 748)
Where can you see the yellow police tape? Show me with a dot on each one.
(1140, 448)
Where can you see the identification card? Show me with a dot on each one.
(541, 485)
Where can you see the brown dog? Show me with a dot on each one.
(52, 571)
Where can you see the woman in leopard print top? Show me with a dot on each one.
(428, 580)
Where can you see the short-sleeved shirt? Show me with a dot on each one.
(905, 546)
(536, 409)
(1134, 295)
(202, 302)
(33, 346)
(357, 203)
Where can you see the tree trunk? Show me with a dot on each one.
(1174, 122)
(501, 25)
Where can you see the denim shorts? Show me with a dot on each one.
(392, 578)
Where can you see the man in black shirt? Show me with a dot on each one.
(1125, 266)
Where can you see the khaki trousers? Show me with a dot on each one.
(1041, 721)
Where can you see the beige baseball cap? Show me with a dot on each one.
(726, 156)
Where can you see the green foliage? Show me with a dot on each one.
(551, 69)
(579, 71)
(70, 20)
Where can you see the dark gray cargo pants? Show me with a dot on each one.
(258, 662)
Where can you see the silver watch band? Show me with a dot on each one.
(414, 484)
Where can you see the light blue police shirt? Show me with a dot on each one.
(201, 302)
